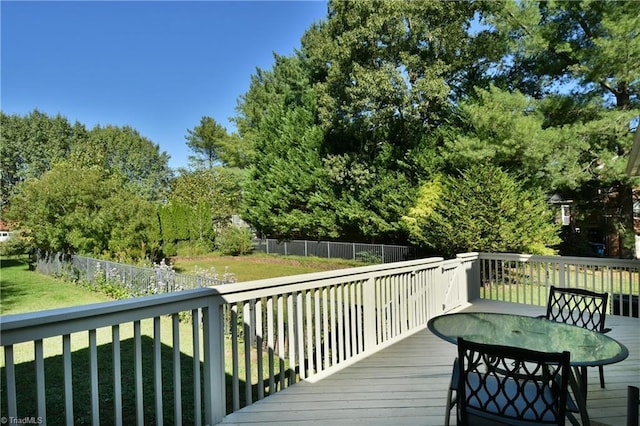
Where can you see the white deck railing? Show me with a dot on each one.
(526, 278)
(268, 333)
(278, 331)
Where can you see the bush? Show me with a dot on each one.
(169, 249)
(194, 248)
(368, 257)
(483, 209)
(234, 241)
(15, 245)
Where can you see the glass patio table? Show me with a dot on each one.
(588, 348)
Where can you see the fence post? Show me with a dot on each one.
(328, 250)
(354, 250)
(382, 248)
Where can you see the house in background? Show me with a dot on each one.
(633, 169)
(4, 231)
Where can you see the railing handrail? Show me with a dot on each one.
(355, 274)
(30, 326)
(109, 313)
(18, 328)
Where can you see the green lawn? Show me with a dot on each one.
(260, 266)
(22, 290)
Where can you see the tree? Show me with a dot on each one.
(482, 209)
(287, 195)
(592, 44)
(405, 91)
(87, 210)
(581, 59)
(123, 150)
(380, 74)
(511, 130)
(213, 146)
(30, 145)
(386, 71)
(201, 201)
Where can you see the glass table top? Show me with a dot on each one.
(587, 347)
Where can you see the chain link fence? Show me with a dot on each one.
(135, 280)
(370, 253)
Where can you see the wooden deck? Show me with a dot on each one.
(406, 384)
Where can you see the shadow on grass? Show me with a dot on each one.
(54, 386)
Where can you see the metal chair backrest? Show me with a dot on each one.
(511, 385)
(583, 308)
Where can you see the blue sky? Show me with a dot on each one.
(155, 66)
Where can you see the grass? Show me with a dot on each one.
(54, 381)
(259, 266)
(22, 290)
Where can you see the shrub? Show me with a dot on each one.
(368, 257)
(15, 245)
(234, 241)
(194, 248)
(483, 209)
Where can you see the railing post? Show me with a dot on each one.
(369, 314)
(214, 373)
(470, 264)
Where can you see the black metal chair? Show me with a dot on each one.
(583, 308)
(510, 386)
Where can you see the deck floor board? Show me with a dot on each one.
(406, 383)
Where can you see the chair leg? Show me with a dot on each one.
(452, 401)
(583, 381)
(633, 401)
(448, 407)
(601, 370)
(572, 419)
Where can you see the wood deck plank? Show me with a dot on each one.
(406, 383)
